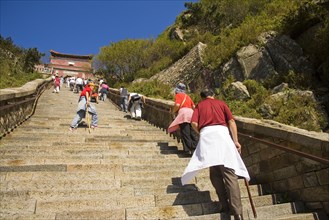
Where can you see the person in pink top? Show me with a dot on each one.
(104, 90)
(183, 107)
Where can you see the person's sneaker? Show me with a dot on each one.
(71, 129)
(238, 217)
(94, 126)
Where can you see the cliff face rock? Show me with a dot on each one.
(279, 55)
(188, 70)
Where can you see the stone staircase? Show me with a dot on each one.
(125, 169)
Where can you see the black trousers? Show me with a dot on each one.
(189, 137)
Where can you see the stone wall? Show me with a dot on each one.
(278, 170)
(287, 171)
(18, 104)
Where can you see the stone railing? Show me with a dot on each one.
(155, 111)
(18, 104)
(283, 159)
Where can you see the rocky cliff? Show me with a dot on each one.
(189, 69)
(273, 56)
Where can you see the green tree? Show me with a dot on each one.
(125, 58)
(31, 57)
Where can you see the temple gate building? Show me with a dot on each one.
(71, 65)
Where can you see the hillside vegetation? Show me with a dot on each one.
(225, 26)
(17, 64)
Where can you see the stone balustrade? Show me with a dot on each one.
(279, 170)
(17, 104)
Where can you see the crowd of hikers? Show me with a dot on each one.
(90, 90)
(208, 132)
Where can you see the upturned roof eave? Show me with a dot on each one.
(57, 54)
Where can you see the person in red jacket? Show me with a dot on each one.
(57, 84)
(83, 105)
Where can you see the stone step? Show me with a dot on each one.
(96, 204)
(98, 201)
(114, 214)
(85, 152)
(56, 127)
(83, 160)
(132, 160)
(12, 207)
(149, 183)
(54, 194)
(79, 145)
(192, 197)
(115, 173)
(89, 138)
(72, 184)
(217, 216)
(185, 211)
(100, 132)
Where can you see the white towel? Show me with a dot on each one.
(215, 147)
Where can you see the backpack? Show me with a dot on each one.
(124, 92)
(135, 97)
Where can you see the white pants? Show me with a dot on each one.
(56, 89)
(135, 110)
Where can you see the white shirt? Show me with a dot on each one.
(220, 151)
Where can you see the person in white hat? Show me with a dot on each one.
(183, 107)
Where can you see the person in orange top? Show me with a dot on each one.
(183, 107)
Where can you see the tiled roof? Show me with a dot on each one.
(57, 54)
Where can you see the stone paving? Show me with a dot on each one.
(124, 169)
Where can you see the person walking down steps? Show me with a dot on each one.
(83, 105)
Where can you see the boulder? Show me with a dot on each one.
(189, 70)
(279, 55)
(239, 90)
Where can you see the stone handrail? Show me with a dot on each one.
(272, 162)
(155, 111)
(18, 104)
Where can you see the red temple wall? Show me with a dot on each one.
(66, 62)
(71, 66)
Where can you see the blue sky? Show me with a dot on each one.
(83, 27)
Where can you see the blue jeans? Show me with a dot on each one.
(81, 113)
(124, 103)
